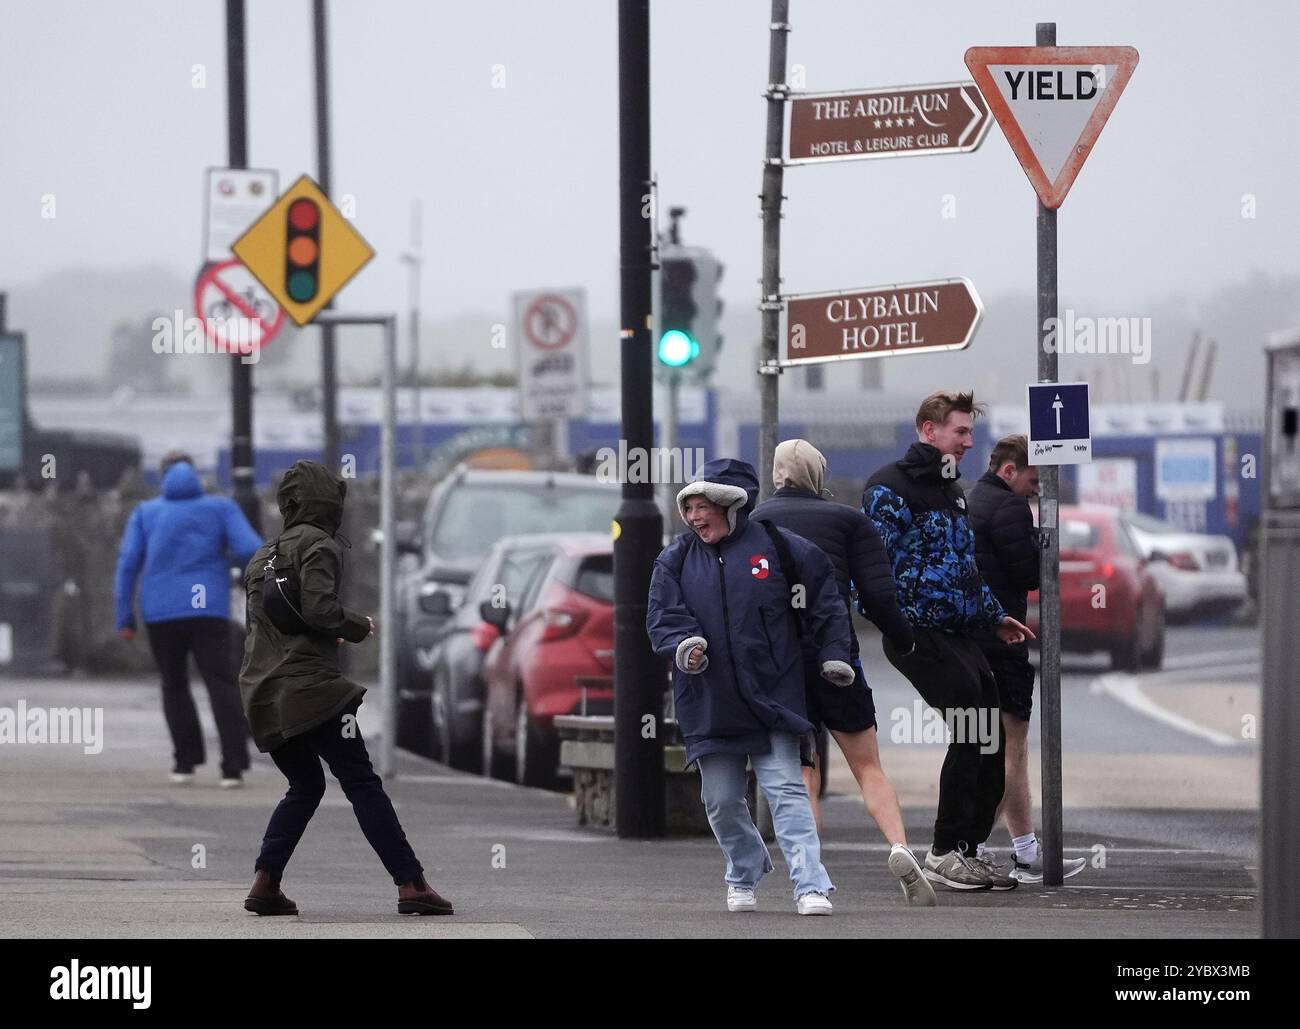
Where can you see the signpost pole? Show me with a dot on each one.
(1049, 628)
(388, 569)
(328, 351)
(241, 372)
(773, 181)
(387, 525)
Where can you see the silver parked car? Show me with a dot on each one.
(1198, 573)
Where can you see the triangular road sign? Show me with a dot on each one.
(1051, 102)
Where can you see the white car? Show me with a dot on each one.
(1198, 573)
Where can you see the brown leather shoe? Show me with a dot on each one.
(419, 898)
(265, 897)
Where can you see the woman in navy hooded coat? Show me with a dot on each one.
(722, 606)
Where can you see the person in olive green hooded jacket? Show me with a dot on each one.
(300, 706)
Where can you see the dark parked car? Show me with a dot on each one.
(455, 658)
(555, 657)
(466, 514)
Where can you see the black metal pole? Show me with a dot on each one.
(241, 372)
(639, 675)
(1049, 627)
(328, 361)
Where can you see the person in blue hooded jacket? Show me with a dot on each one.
(729, 601)
(179, 548)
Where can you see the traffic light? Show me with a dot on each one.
(302, 250)
(678, 346)
(688, 313)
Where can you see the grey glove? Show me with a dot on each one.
(838, 673)
(684, 651)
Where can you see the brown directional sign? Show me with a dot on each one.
(880, 321)
(903, 121)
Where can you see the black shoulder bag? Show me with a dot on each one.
(282, 594)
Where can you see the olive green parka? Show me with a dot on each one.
(290, 684)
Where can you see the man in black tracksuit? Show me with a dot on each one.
(1008, 558)
(848, 538)
(920, 512)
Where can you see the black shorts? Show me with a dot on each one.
(840, 708)
(1015, 676)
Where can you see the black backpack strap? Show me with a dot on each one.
(789, 569)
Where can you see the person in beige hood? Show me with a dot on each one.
(857, 554)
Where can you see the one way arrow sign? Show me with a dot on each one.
(1059, 431)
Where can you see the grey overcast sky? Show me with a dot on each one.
(519, 183)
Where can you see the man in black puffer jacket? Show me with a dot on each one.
(846, 536)
(1008, 558)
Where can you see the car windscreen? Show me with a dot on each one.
(595, 577)
(1078, 535)
(1148, 524)
(475, 516)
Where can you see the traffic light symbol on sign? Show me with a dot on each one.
(302, 250)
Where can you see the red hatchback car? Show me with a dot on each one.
(1109, 598)
(555, 657)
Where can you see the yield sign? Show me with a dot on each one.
(1051, 102)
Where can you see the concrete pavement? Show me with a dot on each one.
(101, 845)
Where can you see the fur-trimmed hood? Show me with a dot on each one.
(730, 484)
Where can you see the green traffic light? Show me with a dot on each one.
(677, 349)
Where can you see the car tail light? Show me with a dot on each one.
(561, 622)
(485, 634)
(1184, 561)
(1108, 571)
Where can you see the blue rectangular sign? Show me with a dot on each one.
(1058, 423)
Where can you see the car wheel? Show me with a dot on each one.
(458, 744)
(493, 765)
(1155, 657)
(1126, 655)
(536, 752)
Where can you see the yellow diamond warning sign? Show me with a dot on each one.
(303, 250)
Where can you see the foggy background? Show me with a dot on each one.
(106, 112)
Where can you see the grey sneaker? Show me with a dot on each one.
(956, 871)
(998, 879)
(903, 863)
(1033, 872)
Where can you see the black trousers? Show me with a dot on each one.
(209, 640)
(953, 677)
(339, 742)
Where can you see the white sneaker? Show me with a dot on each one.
(741, 898)
(181, 778)
(917, 890)
(813, 904)
(1033, 871)
(231, 782)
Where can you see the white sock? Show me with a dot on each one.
(1026, 848)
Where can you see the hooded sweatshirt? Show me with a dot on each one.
(844, 534)
(734, 595)
(290, 684)
(180, 547)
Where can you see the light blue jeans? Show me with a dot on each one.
(722, 788)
